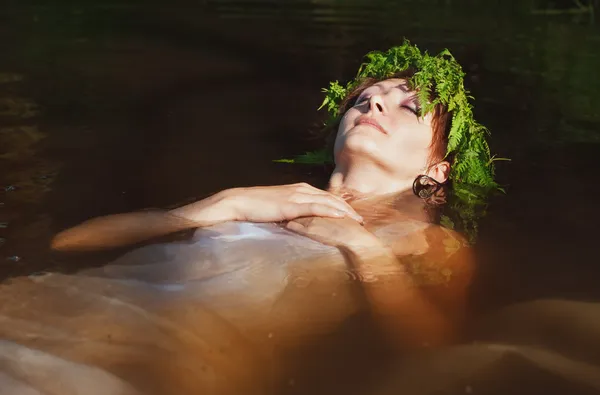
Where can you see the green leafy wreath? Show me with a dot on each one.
(437, 80)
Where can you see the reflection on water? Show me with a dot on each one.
(119, 107)
(240, 300)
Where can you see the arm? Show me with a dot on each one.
(257, 204)
(119, 230)
(409, 313)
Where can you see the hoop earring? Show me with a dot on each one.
(425, 186)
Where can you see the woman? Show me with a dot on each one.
(270, 267)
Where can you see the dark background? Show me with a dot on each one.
(109, 107)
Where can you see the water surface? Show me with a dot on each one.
(126, 106)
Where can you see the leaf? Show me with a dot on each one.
(438, 80)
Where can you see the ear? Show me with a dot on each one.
(440, 171)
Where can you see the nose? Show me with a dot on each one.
(376, 104)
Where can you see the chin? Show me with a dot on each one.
(351, 157)
(365, 143)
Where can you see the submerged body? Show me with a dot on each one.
(228, 322)
(274, 274)
(232, 300)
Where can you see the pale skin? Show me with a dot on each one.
(382, 144)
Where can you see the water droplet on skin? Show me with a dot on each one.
(10, 188)
(468, 389)
(14, 258)
(291, 382)
(3, 225)
(2, 241)
(270, 336)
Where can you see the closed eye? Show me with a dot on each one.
(416, 111)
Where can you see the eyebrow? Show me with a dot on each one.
(414, 97)
(416, 100)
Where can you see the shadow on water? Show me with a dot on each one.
(121, 107)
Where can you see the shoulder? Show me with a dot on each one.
(414, 237)
(448, 254)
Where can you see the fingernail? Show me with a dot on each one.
(357, 217)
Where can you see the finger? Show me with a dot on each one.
(328, 200)
(295, 226)
(305, 221)
(295, 210)
(309, 231)
(119, 230)
(298, 227)
(355, 215)
(309, 189)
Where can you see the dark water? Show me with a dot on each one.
(116, 107)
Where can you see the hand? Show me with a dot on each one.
(336, 232)
(268, 204)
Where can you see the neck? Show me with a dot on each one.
(366, 181)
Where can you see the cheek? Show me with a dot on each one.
(346, 124)
(414, 143)
(348, 120)
(339, 140)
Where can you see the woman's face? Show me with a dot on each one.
(385, 128)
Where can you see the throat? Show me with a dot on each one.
(348, 194)
(361, 182)
(383, 210)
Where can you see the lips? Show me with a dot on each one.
(364, 120)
